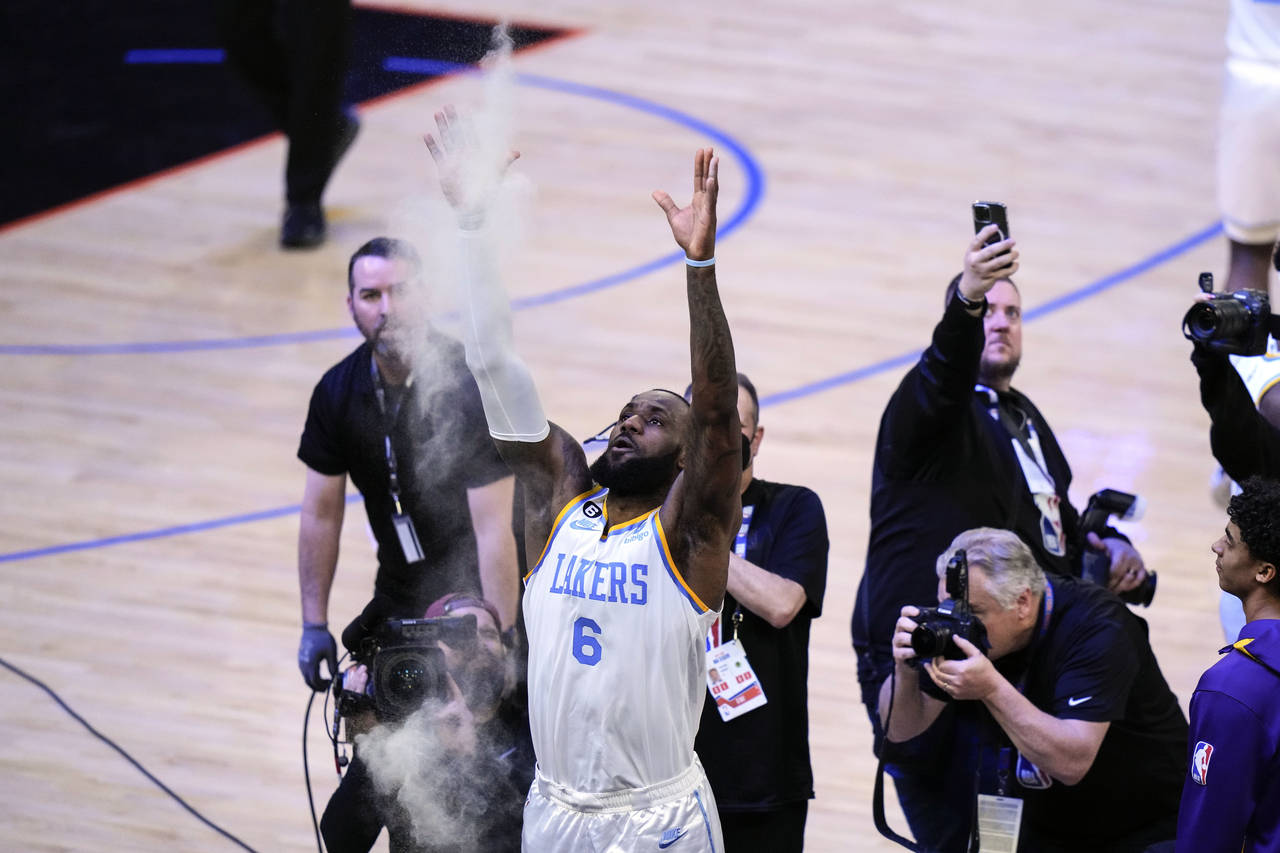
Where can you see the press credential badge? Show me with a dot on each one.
(732, 682)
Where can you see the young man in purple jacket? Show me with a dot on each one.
(1231, 797)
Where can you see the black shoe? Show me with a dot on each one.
(303, 226)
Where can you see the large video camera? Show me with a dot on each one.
(407, 666)
(937, 627)
(1096, 566)
(1233, 323)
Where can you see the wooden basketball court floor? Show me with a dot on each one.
(147, 527)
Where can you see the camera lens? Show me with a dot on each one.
(1217, 319)
(404, 682)
(929, 641)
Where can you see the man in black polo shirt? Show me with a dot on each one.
(758, 761)
(1068, 713)
(402, 416)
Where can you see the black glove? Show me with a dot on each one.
(317, 645)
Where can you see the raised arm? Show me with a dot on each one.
(704, 507)
(940, 386)
(548, 463)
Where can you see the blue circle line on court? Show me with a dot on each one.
(1064, 301)
(807, 390)
(752, 195)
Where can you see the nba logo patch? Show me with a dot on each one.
(1200, 762)
(1030, 776)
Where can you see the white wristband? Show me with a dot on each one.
(709, 262)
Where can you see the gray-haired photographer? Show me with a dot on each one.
(959, 447)
(1068, 737)
(443, 755)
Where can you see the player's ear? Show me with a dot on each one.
(1266, 573)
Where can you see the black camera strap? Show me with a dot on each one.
(877, 795)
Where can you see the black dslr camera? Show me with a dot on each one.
(1095, 565)
(1231, 323)
(406, 665)
(937, 627)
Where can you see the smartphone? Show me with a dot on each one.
(987, 212)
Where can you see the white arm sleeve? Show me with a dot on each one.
(511, 404)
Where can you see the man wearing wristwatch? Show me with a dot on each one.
(960, 448)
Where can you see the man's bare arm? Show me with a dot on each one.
(912, 710)
(703, 509)
(319, 530)
(490, 507)
(1065, 749)
(773, 598)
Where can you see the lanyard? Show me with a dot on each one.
(388, 423)
(1005, 755)
(1023, 433)
(740, 548)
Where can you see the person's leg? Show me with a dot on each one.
(250, 34)
(1248, 171)
(351, 821)
(780, 829)
(319, 131)
(1249, 266)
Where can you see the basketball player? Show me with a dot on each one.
(633, 555)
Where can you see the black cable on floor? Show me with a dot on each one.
(127, 757)
(306, 772)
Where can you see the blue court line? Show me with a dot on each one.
(174, 56)
(808, 390)
(1064, 301)
(176, 530)
(752, 196)
(181, 346)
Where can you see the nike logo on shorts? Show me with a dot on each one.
(671, 836)
(1073, 701)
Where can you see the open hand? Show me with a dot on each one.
(694, 227)
(468, 178)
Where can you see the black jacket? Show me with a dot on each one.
(1242, 440)
(944, 465)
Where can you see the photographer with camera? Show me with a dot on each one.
(1220, 325)
(958, 448)
(1054, 683)
(401, 416)
(444, 757)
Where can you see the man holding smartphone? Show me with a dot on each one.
(960, 448)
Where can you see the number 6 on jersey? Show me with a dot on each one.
(586, 648)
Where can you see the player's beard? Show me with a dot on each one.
(636, 475)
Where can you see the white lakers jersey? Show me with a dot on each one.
(616, 671)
